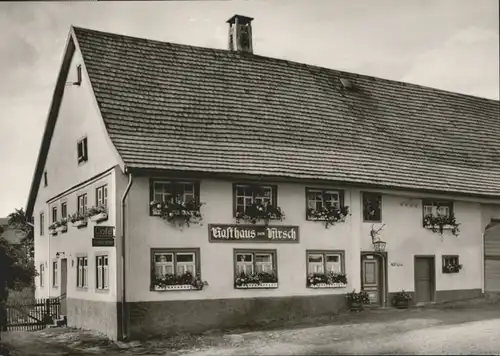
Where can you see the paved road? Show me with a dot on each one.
(446, 334)
(465, 330)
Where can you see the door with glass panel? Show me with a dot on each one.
(371, 278)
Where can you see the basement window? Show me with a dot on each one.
(82, 150)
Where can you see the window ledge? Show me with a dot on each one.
(258, 286)
(325, 285)
(102, 290)
(83, 289)
(174, 287)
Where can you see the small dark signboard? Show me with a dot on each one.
(103, 236)
(103, 242)
(104, 232)
(253, 233)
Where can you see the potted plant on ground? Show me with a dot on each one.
(401, 300)
(357, 300)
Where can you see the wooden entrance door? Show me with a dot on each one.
(424, 279)
(371, 278)
(64, 284)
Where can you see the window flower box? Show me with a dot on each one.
(177, 212)
(256, 280)
(174, 287)
(258, 212)
(440, 223)
(97, 213)
(53, 232)
(62, 228)
(330, 215)
(328, 280)
(171, 282)
(257, 286)
(78, 220)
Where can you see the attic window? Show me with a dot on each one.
(82, 150)
(78, 75)
(45, 181)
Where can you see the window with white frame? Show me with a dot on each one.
(164, 191)
(82, 204)
(318, 199)
(249, 262)
(101, 196)
(82, 272)
(175, 262)
(437, 207)
(42, 223)
(102, 272)
(247, 194)
(324, 262)
(42, 274)
(55, 275)
(64, 210)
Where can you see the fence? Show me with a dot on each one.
(31, 315)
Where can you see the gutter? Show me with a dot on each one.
(122, 222)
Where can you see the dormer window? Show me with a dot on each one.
(82, 150)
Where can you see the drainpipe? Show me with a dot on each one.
(122, 221)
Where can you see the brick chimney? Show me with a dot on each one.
(240, 34)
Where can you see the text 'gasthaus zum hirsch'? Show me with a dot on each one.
(258, 233)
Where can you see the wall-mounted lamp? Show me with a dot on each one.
(378, 245)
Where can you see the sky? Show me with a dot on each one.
(445, 44)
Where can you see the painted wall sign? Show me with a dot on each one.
(253, 233)
(103, 242)
(396, 264)
(104, 232)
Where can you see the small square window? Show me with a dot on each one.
(451, 264)
(245, 195)
(325, 268)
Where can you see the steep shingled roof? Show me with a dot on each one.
(180, 107)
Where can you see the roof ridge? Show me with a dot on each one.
(225, 51)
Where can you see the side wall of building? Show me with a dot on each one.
(66, 179)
